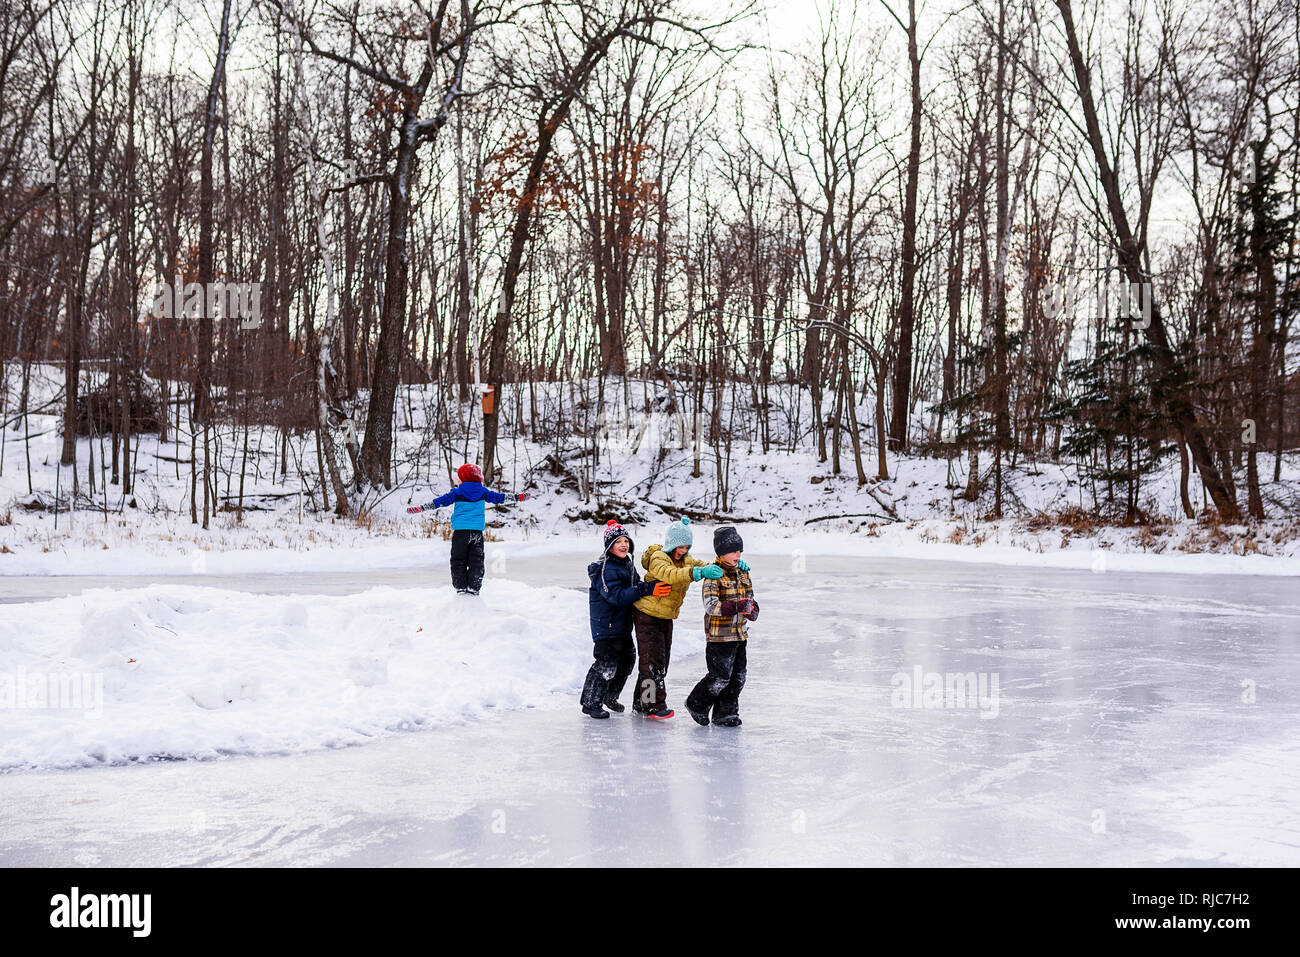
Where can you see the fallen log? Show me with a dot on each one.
(827, 518)
(676, 511)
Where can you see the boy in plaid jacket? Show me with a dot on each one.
(728, 604)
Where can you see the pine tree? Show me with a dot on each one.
(1112, 425)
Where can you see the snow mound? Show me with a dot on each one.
(170, 672)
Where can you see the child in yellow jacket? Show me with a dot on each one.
(653, 616)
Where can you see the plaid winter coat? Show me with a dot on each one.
(733, 585)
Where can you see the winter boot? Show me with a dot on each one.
(613, 705)
(661, 713)
(594, 690)
(728, 721)
(701, 717)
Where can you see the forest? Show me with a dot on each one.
(984, 233)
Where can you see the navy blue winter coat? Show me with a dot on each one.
(615, 585)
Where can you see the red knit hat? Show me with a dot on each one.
(469, 472)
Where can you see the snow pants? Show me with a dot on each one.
(720, 688)
(609, 671)
(467, 559)
(654, 646)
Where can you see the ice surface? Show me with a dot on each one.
(1140, 719)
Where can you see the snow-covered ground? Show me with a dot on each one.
(784, 497)
(173, 671)
(1124, 719)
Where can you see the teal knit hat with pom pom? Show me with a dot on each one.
(678, 534)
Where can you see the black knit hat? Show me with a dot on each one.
(727, 540)
(613, 532)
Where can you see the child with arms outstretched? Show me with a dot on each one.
(467, 523)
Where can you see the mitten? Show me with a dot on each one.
(749, 608)
(728, 607)
(523, 496)
(415, 509)
(662, 589)
(706, 571)
(744, 565)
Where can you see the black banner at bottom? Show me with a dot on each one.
(1223, 908)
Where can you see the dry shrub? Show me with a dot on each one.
(1149, 540)
(1039, 521)
(1078, 520)
(1287, 532)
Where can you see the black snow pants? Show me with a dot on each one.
(608, 673)
(467, 559)
(720, 688)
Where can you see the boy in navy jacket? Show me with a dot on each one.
(467, 520)
(615, 586)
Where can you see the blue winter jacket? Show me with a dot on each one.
(615, 585)
(469, 498)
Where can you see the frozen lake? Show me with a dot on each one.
(1138, 720)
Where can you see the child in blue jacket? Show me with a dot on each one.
(467, 525)
(615, 585)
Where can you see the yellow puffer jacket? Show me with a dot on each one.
(659, 566)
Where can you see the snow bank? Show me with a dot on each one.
(784, 493)
(170, 671)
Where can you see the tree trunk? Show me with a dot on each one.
(907, 304)
(1130, 255)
